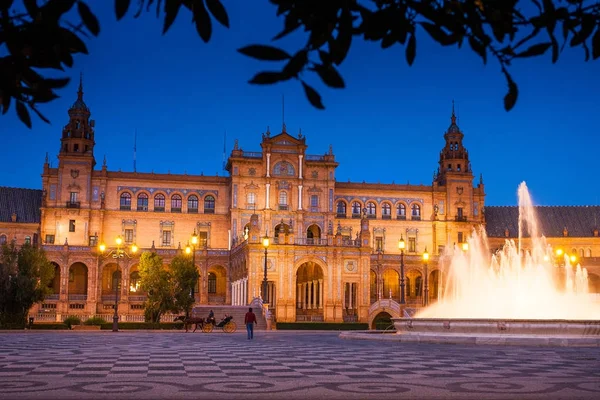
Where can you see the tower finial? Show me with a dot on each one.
(453, 118)
(80, 91)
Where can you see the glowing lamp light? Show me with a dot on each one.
(119, 240)
(195, 238)
(265, 241)
(401, 244)
(425, 255)
(573, 258)
(465, 246)
(559, 252)
(102, 247)
(188, 249)
(134, 248)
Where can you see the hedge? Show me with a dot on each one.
(143, 325)
(52, 326)
(323, 326)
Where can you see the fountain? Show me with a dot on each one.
(522, 293)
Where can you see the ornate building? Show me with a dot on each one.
(334, 247)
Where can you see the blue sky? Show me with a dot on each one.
(182, 95)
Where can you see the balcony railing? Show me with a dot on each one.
(401, 217)
(283, 207)
(416, 217)
(73, 204)
(175, 209)
(386, 216)
(159, 209)
(341, 215)
(78, 297)
(461, 218)
(209, 211)
(311, 241)
(192, 211)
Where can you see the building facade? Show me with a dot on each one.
(334, 246)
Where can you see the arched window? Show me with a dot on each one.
(415, 211)
(134, 282)
(341, 209)
(125, 201)
(283, 200)
(588, 253)
(386, 211)
(193, 204)
(209, 204)
(159, 202)
(400, 211)
(2, 239)
(176, 203)
(142, 202)
(371, 210)
(356, 209)
(212, 282)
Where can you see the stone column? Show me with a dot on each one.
(299, 295)
(268, 164)
(299, 197)
(300, 157)
(304, 295)
(268, 199)
(320, 293)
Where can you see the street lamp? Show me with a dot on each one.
(401, 246)
(425, 259)
(192, 249)
(117, 254)
(265, 243)
(465, 246)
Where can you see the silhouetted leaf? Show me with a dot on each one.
(535, 50)
(555, 49)
(171, 10)
(313, 97)
(202, 20)
(74, 43)
(296, 64)
(121, 7)
(266, 53)
(587, 27)
(23, 114)
(267, 78)
(330, 76)
(341, 45)
(88, 18)
(411, 49)
(291, 24)
(513, 92)
(56, 83)
(218, 11)
(31, 7)
(388, 40)
(596, 44)
(39, 114)
(478, 48)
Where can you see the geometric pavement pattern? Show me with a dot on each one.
(283, 364)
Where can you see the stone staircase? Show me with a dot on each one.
(237, 312)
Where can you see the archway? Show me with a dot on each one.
(414, 287)
(593, 283)
(216, 284)
(310, 290)
(281, 229)
(391, 285)
(313, 234)
(78, 281)
(382, 321)
(111, 282)
(54, 284)
(435, 288)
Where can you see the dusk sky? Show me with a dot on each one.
(182, 95)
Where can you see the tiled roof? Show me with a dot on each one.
(25, 203)
(580, 221)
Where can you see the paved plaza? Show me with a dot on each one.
(283, 365)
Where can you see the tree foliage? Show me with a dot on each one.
(155, 280)
(25, 273)
(42, 37)
(185, 277)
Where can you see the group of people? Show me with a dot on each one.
(249, 320)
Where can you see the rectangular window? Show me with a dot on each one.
(314, 203)
(412, 245)
(52, 192)
(475, 209)
(49, 239)
(128, 235)
(379, 244)
(166, 238)
(202, 239)
(93, 241)
(235, 191)
(330, 200)
(441, 207)
(73, 197)
(460, 237)
(71, 225)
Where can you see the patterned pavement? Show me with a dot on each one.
(289, 365)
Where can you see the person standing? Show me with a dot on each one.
(250, 320)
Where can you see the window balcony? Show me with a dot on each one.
(401, 217)
(371, 216)
(416, 218)
(283, 207)
(142, 208)
(74, 204)
(460, 218)
(356, 215)
(192, 211)
(386, 216)
(341, 215)
(176, 209)
(209, 211)
(159, 209)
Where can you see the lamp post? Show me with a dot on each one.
(401, 246)
(426, 292)
(117, 254)
(265, 242)
(192, 249)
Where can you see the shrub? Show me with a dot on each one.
(71, 320)
(52, 326)
(143, 325)
(94, 321)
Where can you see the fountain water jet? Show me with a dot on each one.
(517, 282)
(519, 295)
